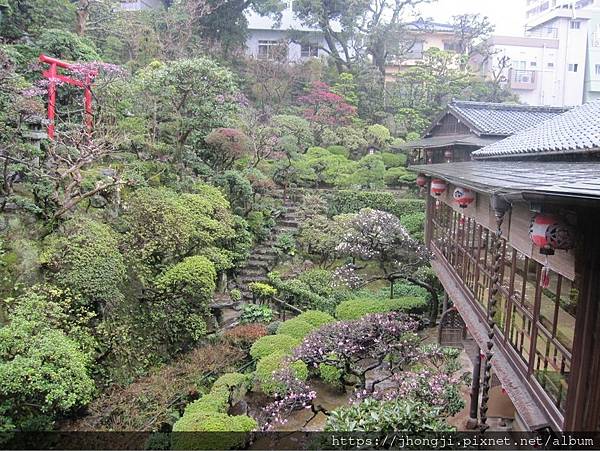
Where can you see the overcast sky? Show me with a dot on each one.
(507, 15)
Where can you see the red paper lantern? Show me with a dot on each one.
(421, 180)
(463, 197)
(549, 233)
(438, 187)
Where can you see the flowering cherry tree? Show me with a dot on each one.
(346, 344)
(378, 236)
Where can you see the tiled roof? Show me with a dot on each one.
(521, 177)
(576, 131)
(502, 119)
(436, 142)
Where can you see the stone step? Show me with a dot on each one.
(253, 271)
(255, 263)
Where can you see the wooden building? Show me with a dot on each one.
(534, 311)
(468, 126)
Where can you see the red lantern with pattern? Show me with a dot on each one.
(438, 187)
(463, 197)
(421, 180)
(549, 233)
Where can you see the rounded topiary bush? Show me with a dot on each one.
(295, 328)
(235, 426)
(268, 365)
(357, 308)
(235, 383)
(272, 327)
(316, 318)
(271, 344)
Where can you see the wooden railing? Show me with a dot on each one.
(282, 308)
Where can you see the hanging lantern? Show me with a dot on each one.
(449, 155)
(463, 197)
(549, 233)
(421, 180)
(438, 187)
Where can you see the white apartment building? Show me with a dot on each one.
(268, 39)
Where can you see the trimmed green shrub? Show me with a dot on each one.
(339, 150)
(84, 257)
(330, 374)
(414, 223)
(262, 290)
(272, 327)
(235, 295)
(357, 308)
(268, 365)
(316, 318)
(272, 344)
(193, 278)
(347, 201)
(295, 328)
(235, 383)
(399, 177)
(393, 160)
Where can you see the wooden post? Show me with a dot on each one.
(473, 421)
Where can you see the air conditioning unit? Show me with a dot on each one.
(525, 79)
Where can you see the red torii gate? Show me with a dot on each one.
(53, 76)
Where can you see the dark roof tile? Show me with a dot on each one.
(576, 131)
(502, 119)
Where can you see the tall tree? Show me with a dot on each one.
(472, 32)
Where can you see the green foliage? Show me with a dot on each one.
(342, 202)
(273, 362)
(294, 132)
(193, 279)
(272, 327)
(33, 16)
(393, 160)
(339, 151)
(296, 328)
(66, 45)
(378, 136)
(346, 87)
(235, 383)
(235, 295)
(44, 372)
(357, 308)
(238, 190)
(301, 294)
(315, 318)
(262, 290)
(387, 416)
(253, 313)
(285, 245)
(330, 374)
(414, 223)
(273, 344)
(83, 256)
(184, 100)
(399, 176)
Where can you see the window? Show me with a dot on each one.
(575, 25)
(537, 324)
(573, 67)
(451, 46)
(309, 50)
(416, 51)
(550, 65)
(533, 64)
(597, 69)
(271, 49)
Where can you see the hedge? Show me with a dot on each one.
(267, 365)
(295, 328)
(346, 201)
(209, 414)
(271, 344)
(316, 318)
(357, 308)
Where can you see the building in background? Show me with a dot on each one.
(139, 5)
(287, 39)
(468, 126)
(422, 36)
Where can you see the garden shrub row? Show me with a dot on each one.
(357, 308)
(209, 414)
(347, 201)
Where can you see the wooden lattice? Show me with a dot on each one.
(452, 329)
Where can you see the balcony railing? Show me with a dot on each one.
(595, 41)
(546, 32)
